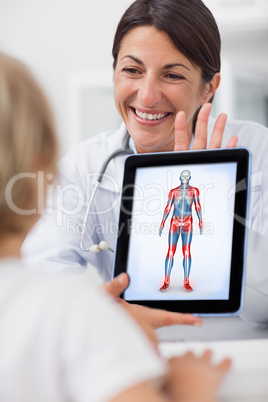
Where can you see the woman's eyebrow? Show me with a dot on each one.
(138, 61)
(166, 67)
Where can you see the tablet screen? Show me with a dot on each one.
(178, 227)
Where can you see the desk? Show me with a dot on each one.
(246, 344)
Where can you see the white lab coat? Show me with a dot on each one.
(56, 237)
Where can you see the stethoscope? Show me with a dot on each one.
(103, 245)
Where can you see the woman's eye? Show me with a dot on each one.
(131, 71)
(174, 76)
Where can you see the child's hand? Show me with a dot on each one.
(148, 318)
(195, 379)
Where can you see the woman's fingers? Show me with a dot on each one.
(201, 128)
(216, 138)
(200, 136)
(232, 142)
(181, 138)
(200, 141)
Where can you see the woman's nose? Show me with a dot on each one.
(150, 92)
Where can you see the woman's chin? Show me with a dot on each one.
(152, 139)
(153, 146)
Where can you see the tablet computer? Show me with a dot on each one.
(182, 230)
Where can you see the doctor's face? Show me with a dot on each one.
(153, 81)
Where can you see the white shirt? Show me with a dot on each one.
(56, 237)
(61, 340)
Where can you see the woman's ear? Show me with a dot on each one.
(211, 88)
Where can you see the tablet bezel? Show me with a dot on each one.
(242, 157)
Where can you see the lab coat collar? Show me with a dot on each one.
(132, 146)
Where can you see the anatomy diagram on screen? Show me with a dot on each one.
(182, 199)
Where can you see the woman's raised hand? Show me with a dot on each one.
(200, 137)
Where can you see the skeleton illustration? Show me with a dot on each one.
(181, 198)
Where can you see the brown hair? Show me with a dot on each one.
(188, 23)
(27, 139)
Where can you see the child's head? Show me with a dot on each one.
(27, 145)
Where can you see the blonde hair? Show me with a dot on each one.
(27, 138)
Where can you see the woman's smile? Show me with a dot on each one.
(149, 117)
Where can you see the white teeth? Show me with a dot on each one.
(146, 116)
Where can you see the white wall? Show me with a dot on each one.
(59, 38)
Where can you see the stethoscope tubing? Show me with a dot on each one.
(124, 150)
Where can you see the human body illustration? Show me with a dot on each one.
(182, 199)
